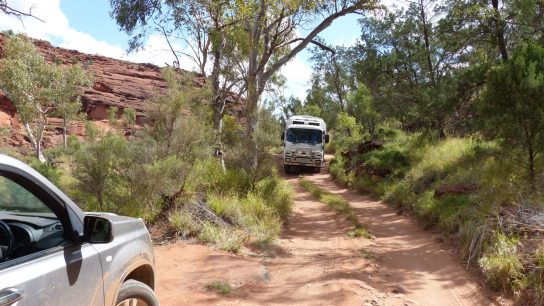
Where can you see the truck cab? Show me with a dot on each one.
(304, 140)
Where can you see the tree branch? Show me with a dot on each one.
(6, 9)
(305, 41)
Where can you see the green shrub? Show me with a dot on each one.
(219, 286)
(226, 239)
(437, 161)
(47, 170)
(263, 221)
(338, 172)
(501, 263)
(400, 195)
(426, 208)
(277, 193)
(453, 211)
(207, 176)
(183, 223)
(390, 158)
(359, 232)
(251, 214)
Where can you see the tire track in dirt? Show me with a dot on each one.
(408, 257)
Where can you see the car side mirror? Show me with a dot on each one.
(97, 229)
(327, 138)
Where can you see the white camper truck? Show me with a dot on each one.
(304, 139)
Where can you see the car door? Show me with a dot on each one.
(67, 273)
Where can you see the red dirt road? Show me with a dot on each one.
(315, 263)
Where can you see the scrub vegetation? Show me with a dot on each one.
(166, 173)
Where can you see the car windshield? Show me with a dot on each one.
(310, 136)
(16, 199)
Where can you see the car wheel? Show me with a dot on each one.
(135, 293)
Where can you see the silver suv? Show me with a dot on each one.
(52, 253)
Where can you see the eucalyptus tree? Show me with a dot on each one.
(270, 37)
(26, 79)
(65, 92)
(202, 27)
(193, 29)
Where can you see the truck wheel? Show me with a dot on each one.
(135, 293)
(287, 169)
(317, 170)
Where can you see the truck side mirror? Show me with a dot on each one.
(97, 229)
(282, 136)
(327, 138)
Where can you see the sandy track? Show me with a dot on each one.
(409, 257)
(314, 263)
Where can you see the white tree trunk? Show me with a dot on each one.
(64, 133)
(36, 143)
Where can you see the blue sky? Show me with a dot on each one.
(85, 25)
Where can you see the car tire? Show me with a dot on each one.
(134, 290)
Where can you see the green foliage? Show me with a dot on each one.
(208, 177)
(347, 132)
(224, 238)
(436, 162)
(359, 232)
(501, 263)
(512, 108)
(360, 106)
(112, 114)
(251, 213)
(24, 77)
(46, 169)
(65, 92)
(39, 89)
(278, 193)
(183, 223)
(219, 286)
(129, 114)
(97, 169)
(338, 171)
(232, 131)
(391, 157)
(421, 165)
(254, 155)
(27, 80)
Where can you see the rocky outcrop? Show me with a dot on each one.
(116, 83)
(456, 189)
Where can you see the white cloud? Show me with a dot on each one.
(347, 42)
(56, 29)
(298, 74)
(157, 51)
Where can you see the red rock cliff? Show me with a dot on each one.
(116, 83)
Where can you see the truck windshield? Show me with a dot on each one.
(297, 135)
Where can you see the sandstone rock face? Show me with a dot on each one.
(116, 83)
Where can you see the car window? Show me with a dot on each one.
(17, 199)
